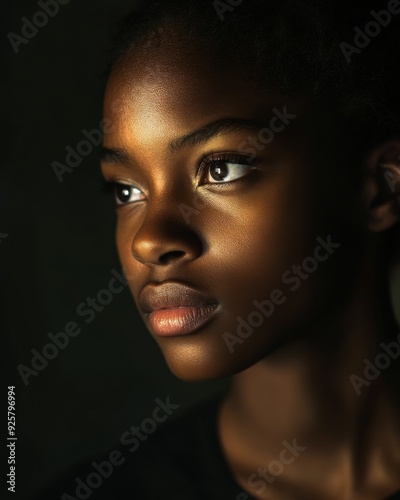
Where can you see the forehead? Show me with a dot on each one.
(172, 90)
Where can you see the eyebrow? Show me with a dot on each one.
(114, 155)
(197, 137)
(219, 127)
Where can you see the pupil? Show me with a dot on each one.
(123, 193)
(219, 171)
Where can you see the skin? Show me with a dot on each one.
(292, 372)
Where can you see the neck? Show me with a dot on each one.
(319, 392)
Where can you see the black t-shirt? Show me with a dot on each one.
(180, 461)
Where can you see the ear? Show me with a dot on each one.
(382, 188)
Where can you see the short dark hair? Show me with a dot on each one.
(295, 46)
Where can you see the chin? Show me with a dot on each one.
(195, 360)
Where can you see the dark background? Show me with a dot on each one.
(60, 250)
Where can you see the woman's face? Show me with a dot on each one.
(221, 230)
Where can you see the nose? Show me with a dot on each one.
(164, 239)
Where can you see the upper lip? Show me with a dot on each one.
(170, 294)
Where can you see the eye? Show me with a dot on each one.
(225, 169)
(124, 194)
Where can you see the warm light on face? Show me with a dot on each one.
(217, 190)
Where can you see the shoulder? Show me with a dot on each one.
(181, 457)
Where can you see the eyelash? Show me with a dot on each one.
(211, 160)
(110, 187)
(228, 158)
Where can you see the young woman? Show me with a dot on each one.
(253, 150)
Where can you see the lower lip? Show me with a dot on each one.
(181, 320)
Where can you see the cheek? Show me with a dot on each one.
(257, 237)
(123, 244)
(126, 230)
(266, 302)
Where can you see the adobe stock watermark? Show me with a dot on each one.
(371, 30)
(84, 148)
(373, 369)
(222, 7)
(294, 277)
(132, 438)
(266, 135)
(87, 309)
(194, 209)
(253, 145)
(30, 28)
(265, 476)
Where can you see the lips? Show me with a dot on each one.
(172, 308)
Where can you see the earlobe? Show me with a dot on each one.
(382, 187)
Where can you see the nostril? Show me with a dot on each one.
(160, 241)
(172, 255)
